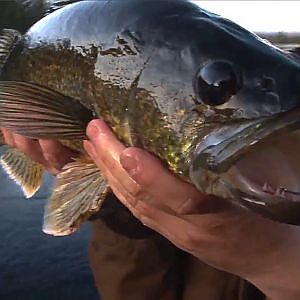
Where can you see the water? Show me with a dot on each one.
(33, 265)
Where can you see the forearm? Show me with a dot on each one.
(279, 274)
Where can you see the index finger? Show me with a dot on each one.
(107, 150)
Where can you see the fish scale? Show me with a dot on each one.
(167, 76)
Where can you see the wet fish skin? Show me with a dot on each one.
(135, 64)
(89, 62)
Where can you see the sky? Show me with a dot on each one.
(262, 16)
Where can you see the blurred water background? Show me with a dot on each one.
(33, 265)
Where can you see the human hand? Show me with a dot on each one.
(259, 250)
(49, 153)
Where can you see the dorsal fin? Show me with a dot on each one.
(8, 39)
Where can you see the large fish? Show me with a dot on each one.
(219, 105)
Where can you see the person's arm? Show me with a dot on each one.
(262, 251)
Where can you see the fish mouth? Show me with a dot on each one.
(256, 164)
(223, 146)
(267, 179)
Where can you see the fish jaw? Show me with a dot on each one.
(267, 179)
(254, 165)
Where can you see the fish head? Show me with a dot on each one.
(239, 71)
(249, 93)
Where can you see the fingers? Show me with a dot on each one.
(8, 136)
(51, 154)
(135, 175)
(160, 183)
(26, 145)
(105, 149)
(176, 229)
(55, 155)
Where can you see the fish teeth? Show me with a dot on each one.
(267, 188)
(281, 192)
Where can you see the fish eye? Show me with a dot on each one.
(216, 83)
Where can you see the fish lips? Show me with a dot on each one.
(219, 150)
(223, 146)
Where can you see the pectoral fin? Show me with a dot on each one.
(38, 112)
(78, 193)
(23, 170)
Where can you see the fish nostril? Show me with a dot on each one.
(267, 84)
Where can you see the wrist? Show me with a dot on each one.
(278, 273)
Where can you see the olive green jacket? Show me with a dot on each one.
(130, 262)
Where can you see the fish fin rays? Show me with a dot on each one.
(39, 112)
(78, 193)
(24, 171)
(8, 39)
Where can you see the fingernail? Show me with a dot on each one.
(89, 148)
(92, 131)
(128, 163)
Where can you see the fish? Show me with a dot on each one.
(217, 104)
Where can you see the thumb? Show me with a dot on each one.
(165, 188)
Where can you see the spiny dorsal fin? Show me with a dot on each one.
(8, 39)
(78, 193)
(39, 112)
(24, 171)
